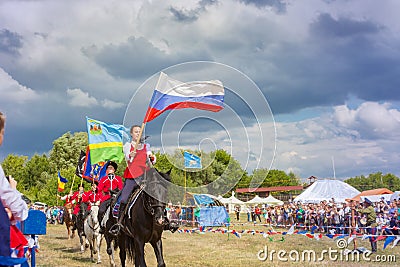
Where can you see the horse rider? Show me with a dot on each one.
(108, 183)
(67, 198)
(137, 156)
(77, 198)
(92, 196)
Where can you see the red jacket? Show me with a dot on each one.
(106, 184)
(91, 197)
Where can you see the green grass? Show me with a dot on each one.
(205, 249)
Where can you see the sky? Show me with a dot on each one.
(312, 86)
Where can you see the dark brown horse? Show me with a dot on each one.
(69, 219)
(144, 222)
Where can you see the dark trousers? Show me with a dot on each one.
(4, 232)
(129, 186)
(372, 238)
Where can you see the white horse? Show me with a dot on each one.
(92, 232)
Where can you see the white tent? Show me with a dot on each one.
(326, 190)
(377, 198)
(271, 201)
(256, 200)
(231, 202)
(395, 196)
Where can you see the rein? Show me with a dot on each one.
(92, 222)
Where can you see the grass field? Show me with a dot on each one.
(214, 249)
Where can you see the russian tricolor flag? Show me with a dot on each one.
(172, 94)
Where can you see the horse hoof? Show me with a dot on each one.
(109, 251)
(99, 261)
(86, 245)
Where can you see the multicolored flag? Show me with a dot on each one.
(105, 141)
(80, 166)
(172, 94)
(191, 161)
(93, 172)
(61, 182)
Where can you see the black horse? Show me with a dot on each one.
(80, 221)
(145, 220)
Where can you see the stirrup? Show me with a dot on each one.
(115, 229)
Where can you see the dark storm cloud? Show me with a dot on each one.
(340, 58)
(137, 58)
(278, 5)
(10, 42)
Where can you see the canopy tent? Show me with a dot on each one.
(256, 200)
(395, 196)
(326, 190)
(377, 198)
(271, 201)
(372, 192)
(231, 202)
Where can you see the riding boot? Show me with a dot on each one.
(116, 228)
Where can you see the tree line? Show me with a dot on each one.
(38, 176)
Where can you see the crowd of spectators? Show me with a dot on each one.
(327, 215)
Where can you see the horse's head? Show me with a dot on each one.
(94, 211)
(156, 187)
(83, 207)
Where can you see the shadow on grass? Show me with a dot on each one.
(85, 259)
(71, 250)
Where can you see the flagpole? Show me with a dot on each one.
(144, 124)
(57, 192)
(184, 195)
(72, 185)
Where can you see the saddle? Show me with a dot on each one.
(115, 203)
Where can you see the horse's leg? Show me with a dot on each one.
(158, 251)
(110, 250)
(98, 244)
(82, 242)
(91, 245)
(122, 249)
(139, 253)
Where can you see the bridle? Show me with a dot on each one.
(91, 222)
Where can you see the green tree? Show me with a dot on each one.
(34, 169)
(66, 150)
(15, 166)
(375, 180)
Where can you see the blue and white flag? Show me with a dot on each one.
(192, 161)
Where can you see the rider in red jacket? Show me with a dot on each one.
(110, 182)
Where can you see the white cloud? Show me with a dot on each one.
(344, 137)
(109, 104)
(370, 120)
(78, 98)
(13, 92)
